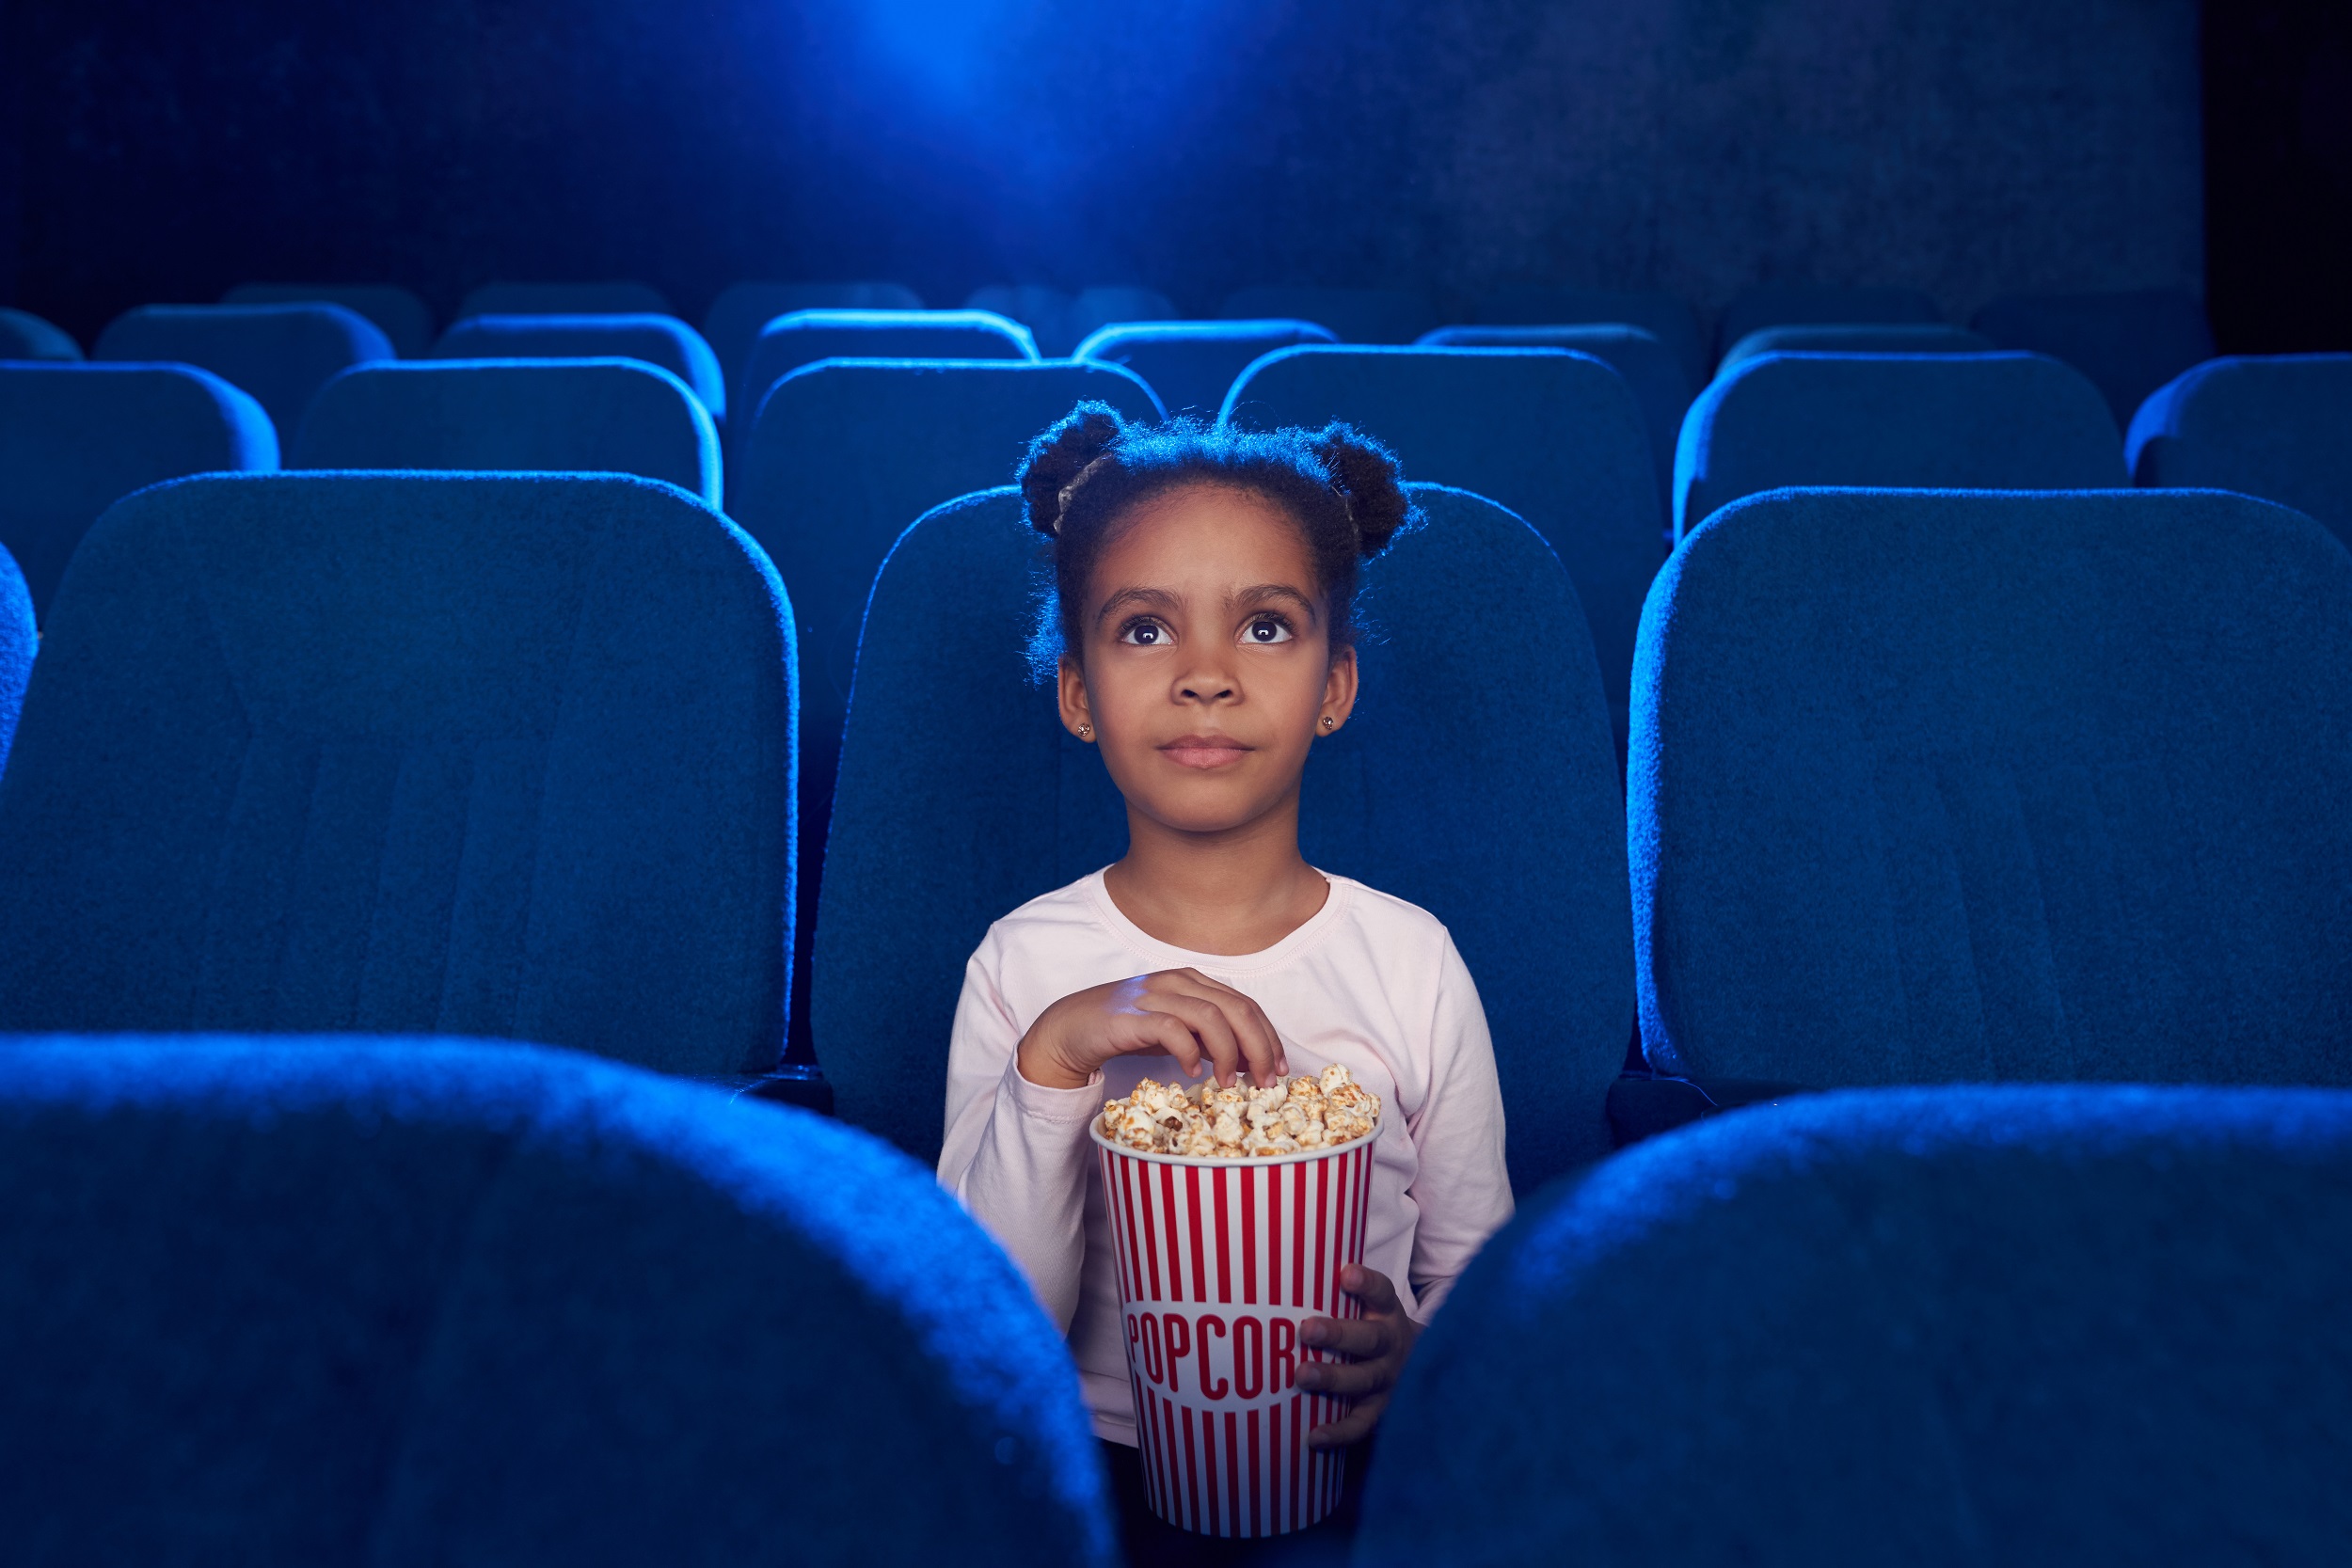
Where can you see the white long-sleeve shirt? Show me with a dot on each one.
(1370, 981)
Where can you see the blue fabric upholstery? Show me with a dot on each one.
(1934, 786)
(1191, 365)
(279, 354)
(565, 299)
(1665, 317)
(1555, 436)
(496, 754)
(1978, 421)
(1060, 322)
(76, 438)
(1494, 805)
(2278, 427)
(2129, 342)
(306, 1301)
(1857, 337)
(805, 337)
(1354, 315)
(25, 336)
(1816, 305)
(405, 321)
(2042, 1326)
(662, 340)
(1652, 370)
(573, 415)
(19, 642)
(734, 318)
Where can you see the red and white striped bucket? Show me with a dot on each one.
(1221, 1261)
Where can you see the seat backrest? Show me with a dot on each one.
(1555, 436)
(742, 309)
(2018, 1325)
(496, 754)
(1975, 422)
(279, 354)
(805, 337)
(2129, 342)
(618, 298)
(404, 318)
(1652, 370)
(1493, 806)
(19, 642)
(1665, 317)
(1041, 309)
(1101, 305)
(419, 1300)
(570, 416)
(662, 340)
(2278, 427)
(1857, 337)
(1936, 786)
(25, 336)
(1354, 315)
(1191, 365)
(1818, 304)
(75, 438)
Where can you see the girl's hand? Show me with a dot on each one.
(1376, 1346)
(1181, 1011)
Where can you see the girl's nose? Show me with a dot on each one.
(1205, 687)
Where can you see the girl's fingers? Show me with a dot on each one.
(1372, 1288)
(1260, 1044)
(1354, 1427)
(1208, 1024)
(1171, 1035)
(1356, 1337)
(1347, 1378)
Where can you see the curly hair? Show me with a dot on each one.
(1343, 491)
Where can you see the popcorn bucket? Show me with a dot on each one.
(1220, 1262)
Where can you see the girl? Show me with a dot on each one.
(1203, 629)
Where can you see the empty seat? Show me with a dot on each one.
(805, 337)
(76, 438)
(1060, 322)
(1933, 786)
(279, 354)
(18, 639)
(2017, 1325)
(1494, 804)
(2128, 341)
(1665, 317)
(662, 340)
(1857, 337)
(494, 755)
(1555, 436)
(1818, 304)
(741, 309)
(1652, 370)
(2278, 427)
(25, 336)
(618, 415)
(1355, 315)
(405, 321)
(565, 299)
(308, 1301)
(1192, 364)
(1978, 421)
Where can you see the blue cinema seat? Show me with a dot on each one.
(1060, 322)
(25, 336)
(805, 337)
(1665, 317)
(1978, 421)
(2032, 1325)
(1191, 365)
(1817, 305)
(2278, 427)
(405, 320)
(20, 639)
(732, 325)
(662, 340)
(618, 298)
(75, 438)
(1857, 337)
(1355, 315)
(335, 1300)
(570, 416)
(1555, 436)
(495, 754)
(2129, 342)
(279, 354)
(1493, 804)
(1934, 785)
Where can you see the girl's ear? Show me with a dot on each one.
(1077, 717)
(1338, 694)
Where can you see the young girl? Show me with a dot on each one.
(1204, 587)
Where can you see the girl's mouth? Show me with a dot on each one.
(1204, 751)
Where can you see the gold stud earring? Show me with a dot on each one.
(1086, 732)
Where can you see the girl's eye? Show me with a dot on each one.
(1143, 634)
(1267, 629)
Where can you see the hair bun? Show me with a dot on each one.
(1368, 477)
(1058, 457)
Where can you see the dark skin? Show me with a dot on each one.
(1205, 672)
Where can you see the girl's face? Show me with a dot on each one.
(1204, 661)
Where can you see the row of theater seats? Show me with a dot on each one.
(1926, 787)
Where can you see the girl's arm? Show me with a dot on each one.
(1463, 1190)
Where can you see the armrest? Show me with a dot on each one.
(791, 1083)
(1643, 1106)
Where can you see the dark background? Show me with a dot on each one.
(165, 150)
